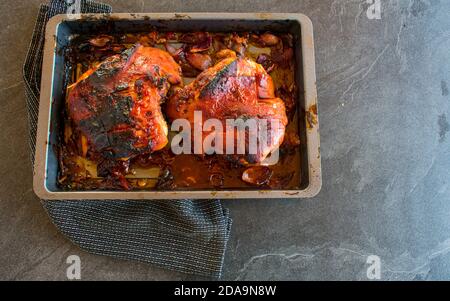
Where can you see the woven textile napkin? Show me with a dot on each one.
(188, 236)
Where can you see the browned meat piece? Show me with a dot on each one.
(234, 88)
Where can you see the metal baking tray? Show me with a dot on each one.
(62, 27)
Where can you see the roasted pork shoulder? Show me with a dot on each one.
(116, 104)
(234, 88)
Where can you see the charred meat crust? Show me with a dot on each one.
(116, 105)
(235, 88)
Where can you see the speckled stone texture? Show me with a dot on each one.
(384, 113)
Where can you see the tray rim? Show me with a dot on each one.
(310, 96)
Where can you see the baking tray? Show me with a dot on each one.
(61, 28)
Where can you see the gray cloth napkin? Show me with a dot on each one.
(188, 236)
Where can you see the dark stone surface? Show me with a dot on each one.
(384, 116)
